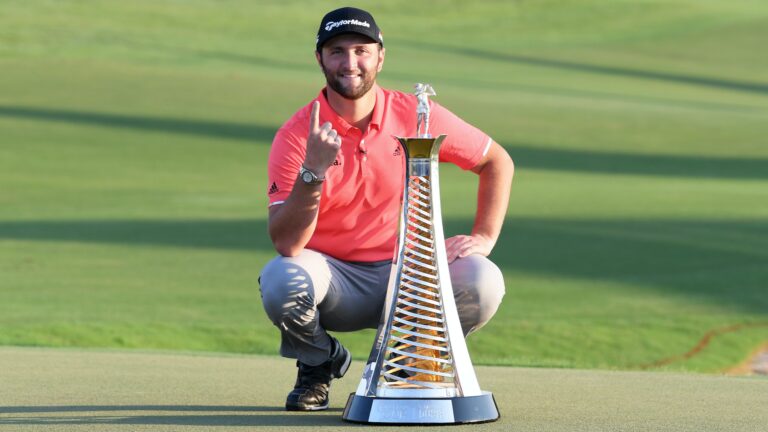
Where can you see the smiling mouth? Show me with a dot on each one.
(350, 73)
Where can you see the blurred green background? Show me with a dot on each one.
(134, 138)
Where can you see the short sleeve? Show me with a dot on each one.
(285, 158)
(464, 144)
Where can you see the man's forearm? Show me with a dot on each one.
(292, 223)
(493, 196)
(495, 171)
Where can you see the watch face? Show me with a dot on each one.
(307, 177)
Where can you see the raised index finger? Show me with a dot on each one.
(314, 118)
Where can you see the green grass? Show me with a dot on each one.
(133, 139)
(86, 389)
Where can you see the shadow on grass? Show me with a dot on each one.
(598, 162)
(524, 155)
(719, 261)
(715, 261)
(232, 234)
(194, 415)
(95, 408)
(717, 83)
(214, 129)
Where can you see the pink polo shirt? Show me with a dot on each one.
(360, 200)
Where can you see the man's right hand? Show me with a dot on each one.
(323, 143)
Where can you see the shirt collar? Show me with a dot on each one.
(328, 114)
(378, 108)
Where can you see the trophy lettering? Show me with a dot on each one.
(419, 370)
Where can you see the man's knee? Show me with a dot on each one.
(478, 287)
(288, 289)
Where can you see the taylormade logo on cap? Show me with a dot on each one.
(347, 20)
(330, 25)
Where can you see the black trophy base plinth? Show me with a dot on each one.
(404, 411)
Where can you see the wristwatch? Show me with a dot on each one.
(309, 177)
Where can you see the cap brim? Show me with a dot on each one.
(346, 32)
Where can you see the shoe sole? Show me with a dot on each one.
(306, 407)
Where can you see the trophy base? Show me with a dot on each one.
(418, 411)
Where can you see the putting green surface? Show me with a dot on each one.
(82, 390)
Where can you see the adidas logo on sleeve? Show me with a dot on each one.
(274, 189)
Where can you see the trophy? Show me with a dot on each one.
(419, 370)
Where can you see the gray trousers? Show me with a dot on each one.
(306, 295)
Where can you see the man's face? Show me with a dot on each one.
(350, 63)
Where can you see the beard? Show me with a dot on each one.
(352, 92)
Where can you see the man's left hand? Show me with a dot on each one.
(463, 245)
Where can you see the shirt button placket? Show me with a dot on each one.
(363, 158)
